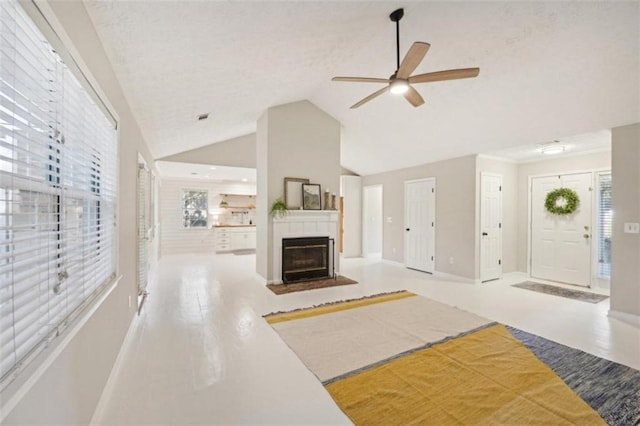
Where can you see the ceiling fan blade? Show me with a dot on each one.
(413, 97)
(371, 96)
(445, 75)
(412, 59)
(361, 79)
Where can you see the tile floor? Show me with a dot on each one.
(200, 353)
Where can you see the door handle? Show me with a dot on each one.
(586, 236)
(408, 229)
(484, 234)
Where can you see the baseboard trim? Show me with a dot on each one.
(98, 413)
(394, 263)
(625, 317)
(452, 277)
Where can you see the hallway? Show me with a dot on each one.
(200, 353)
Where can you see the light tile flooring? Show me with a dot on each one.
(200, 353)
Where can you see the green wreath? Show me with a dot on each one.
(571, 201)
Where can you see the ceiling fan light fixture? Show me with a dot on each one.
(398, 87)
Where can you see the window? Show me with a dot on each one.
(194, 208)
(605, 222)
(57, 193)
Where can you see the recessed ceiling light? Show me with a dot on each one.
(203, 116)
(244, 179)
(212, 168)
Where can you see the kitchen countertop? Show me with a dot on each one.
(235, 226)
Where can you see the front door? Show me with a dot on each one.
(561, 245)
(420, 212)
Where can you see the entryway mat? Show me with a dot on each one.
(562, 292)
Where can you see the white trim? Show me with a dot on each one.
(435, 220)
(451, 277)
(51, 353)
(498, 158)
(107, 391)
(395, 263)
(480, 217)
(592, 281)
(631, 319)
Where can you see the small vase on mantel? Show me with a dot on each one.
(333, 201)
(326, 200)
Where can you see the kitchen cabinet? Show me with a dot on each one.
(230, 238)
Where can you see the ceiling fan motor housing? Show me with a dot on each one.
(396, 15)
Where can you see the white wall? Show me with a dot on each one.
(625, 256)
(68, 390)
(580, 163)
(293, 140)
(351, 190)
(175, 239)
(455, 212)
(372, 220)
(236, 152)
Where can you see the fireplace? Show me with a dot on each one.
(305, 258)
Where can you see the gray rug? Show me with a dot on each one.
(562, 292)
(612, 389)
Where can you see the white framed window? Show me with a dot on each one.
(194, 208)
(58, 155)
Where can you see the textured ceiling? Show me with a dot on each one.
(548, 70)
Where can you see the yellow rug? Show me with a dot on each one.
(485, 377)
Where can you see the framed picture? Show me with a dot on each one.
(311, 196)
(293, 192)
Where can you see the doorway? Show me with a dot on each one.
(490, 227)
(372, 221)
(561, 244)
(420, 222)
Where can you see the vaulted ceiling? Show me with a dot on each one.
(548, 70)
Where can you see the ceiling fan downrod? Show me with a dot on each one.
(396, 16)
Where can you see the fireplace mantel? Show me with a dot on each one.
(302, 223)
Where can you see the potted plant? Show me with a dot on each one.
(278, 209)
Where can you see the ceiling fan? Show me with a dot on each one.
(400, 81)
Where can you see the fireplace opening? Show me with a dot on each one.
(305, 258)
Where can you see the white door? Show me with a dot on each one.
(372, 221)
(420, 222)
(490, 227)
(561, 245)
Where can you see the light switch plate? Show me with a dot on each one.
(632, 228)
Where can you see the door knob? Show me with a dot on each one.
(484, 234)
(586, 236)
(408, 229)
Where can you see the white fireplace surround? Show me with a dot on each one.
(303, 223)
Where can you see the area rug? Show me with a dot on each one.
(310, 285)
(568, 293)
(405, 359)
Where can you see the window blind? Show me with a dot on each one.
(605, 225)
(142, 228)
(57, 192)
